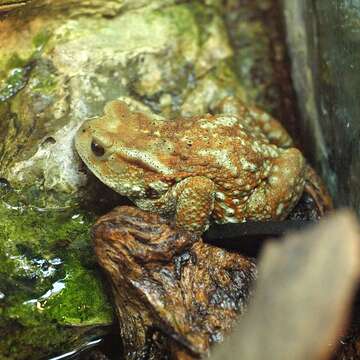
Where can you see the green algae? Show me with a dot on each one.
(16, 72)
(16, 80)
(52, 295)
(41, 39)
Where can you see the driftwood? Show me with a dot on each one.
(174, 295)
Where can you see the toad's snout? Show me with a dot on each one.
(83, 138)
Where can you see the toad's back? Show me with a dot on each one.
(220, 148)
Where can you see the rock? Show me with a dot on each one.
(323, 44)
(52, 298)
(173, 293)
(303, 295)
(257, 34)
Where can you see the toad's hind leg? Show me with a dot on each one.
(276, 196)
(263, 124)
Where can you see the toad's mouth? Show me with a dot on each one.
(114, 180)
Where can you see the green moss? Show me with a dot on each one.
(52, 293)
(41, 39)
(74, 306)
(35, 342)
(203, 16)
(16, 80)
(15, 61)
(17, 71)
(45, 75)
(181, 17)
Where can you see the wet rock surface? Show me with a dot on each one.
(174, 295)
(52, 299)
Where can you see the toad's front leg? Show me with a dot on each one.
(191, 201)
(195, 203)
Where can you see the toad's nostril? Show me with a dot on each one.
(97, 149)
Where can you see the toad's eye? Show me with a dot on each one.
(97, 149)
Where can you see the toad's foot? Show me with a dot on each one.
(316, 188)
(277, 196)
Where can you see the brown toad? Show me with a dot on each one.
(236, 166)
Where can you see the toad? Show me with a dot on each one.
(236, 166)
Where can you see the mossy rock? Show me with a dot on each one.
(52, 298)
